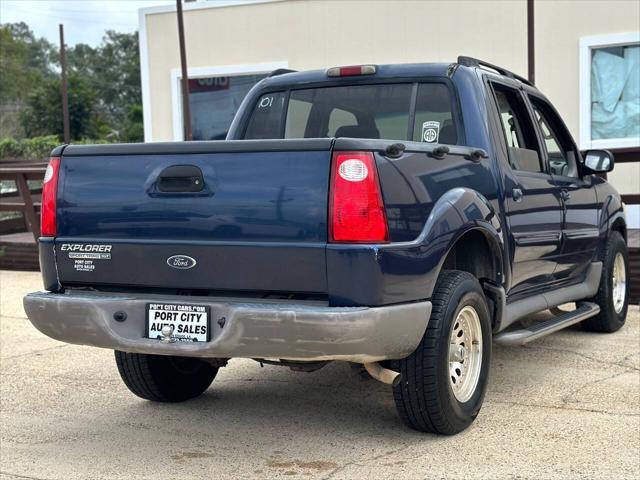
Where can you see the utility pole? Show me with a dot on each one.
(65, 93)
(186, 107)
(531, 42)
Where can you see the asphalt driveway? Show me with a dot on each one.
(567, 406)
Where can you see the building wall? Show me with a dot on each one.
(308, 34)
(559, 26)
(318, 33)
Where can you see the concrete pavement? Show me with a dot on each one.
(566, 406)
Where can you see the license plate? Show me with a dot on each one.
(190, 323)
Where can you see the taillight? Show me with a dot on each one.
(49, 194)
(356, 210)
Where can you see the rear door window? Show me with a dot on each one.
(561, 153)
(518, 129)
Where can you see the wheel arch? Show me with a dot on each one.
(612, 219)
(620, 225)
(474, 235)
(477, 251)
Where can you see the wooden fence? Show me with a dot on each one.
(19, 235)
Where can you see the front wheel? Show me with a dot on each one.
(613, 292)
(162, 378)
(444, 380)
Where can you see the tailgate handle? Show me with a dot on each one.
(180, 178)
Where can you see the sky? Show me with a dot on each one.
(85, 21)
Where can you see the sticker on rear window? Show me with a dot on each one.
(430, 132)
(266, 102)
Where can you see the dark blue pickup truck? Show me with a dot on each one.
(400, 217)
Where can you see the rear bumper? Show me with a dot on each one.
(290, 331)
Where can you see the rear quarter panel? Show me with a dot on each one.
(430, 203)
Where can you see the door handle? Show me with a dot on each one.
(565, 195)
(180, 179)
(517, 195)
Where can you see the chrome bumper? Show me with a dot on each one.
(292, 331)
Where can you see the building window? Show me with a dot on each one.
(610, 91)
(215, 94)
(214, 102)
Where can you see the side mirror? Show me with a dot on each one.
(598, 161)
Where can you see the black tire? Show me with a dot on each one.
(161, 378)
(608, 320)
(424, 397)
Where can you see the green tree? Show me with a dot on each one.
(133, 130)
(25, 61)
(104, 86)
(42, 115)
(113, 70)
(24, 64)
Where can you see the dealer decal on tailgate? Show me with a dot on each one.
(84, 254)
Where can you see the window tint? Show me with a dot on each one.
(297, 118)
(434, 120)
(266, 118)
(559, 147)
(359, 111)
(519, 133)
(339, 118)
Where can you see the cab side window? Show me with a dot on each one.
(518, 129)
(561, 153)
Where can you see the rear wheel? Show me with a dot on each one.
(163, 378)
(613, 293)
(444, 380)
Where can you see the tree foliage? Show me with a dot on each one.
(25, 61)
(44, 107)
(104, 86)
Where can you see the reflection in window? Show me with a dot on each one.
(214, 102)
(615, 92)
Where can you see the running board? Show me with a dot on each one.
(520, 337)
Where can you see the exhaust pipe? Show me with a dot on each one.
(382, 374)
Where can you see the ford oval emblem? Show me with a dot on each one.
(182, 262)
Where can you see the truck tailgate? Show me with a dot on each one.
(258, 223)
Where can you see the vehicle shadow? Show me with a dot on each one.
(335, 398)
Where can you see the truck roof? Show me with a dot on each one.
(285, 78)
(390, 71)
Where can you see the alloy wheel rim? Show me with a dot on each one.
(619, 283)
(465, 354)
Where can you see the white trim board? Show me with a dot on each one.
(145, 81)
(203, 5)
(203, 72)
(586, 45)
(144, 76)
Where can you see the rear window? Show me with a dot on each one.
(360, 111)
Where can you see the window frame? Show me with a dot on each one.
(587, 44)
